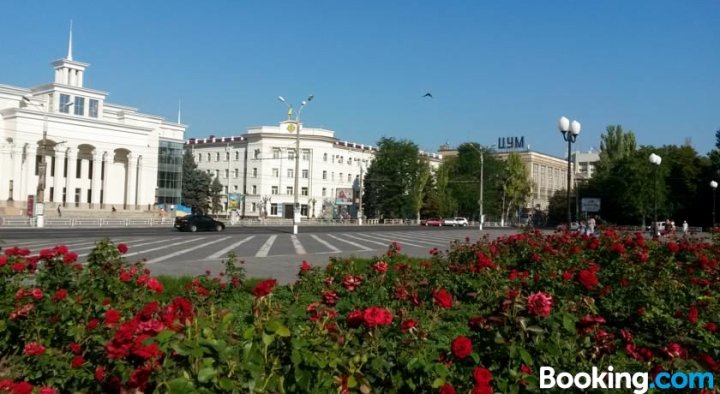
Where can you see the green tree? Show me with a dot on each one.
(216, 195)
(448, 205)
(418, 189)
(390, 179)
(517, 185)
(616, 144)
(195, 185)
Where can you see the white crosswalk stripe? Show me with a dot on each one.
(184, 241)
(184, 251)
(401, 241)
(223, 251)
(297, 245)
(357, 245)
(327, 244)
(134, 246)
(384, 244)
(265, 249)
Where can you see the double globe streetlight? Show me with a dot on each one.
(655, 160)
(570, 131)
(296, 122)
(714, 186)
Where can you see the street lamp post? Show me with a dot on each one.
(570, 131)
(714, 186)
(296, 202)
(656, 160)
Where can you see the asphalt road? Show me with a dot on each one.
(267, 251)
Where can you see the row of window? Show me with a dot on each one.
(78, 104)
(277, 154)
(276, 174)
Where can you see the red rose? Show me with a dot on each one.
(18, 267)
(48, 390)
(526, 370)
(461, 347)
(112, 316)
(482, 390)
(77, 362)
(539, 304)
(47, 254)
(380, 267)
(330, 297)
(33, 349)
(482, 376)
(375, 316)
(692, 315)
(712, 327)
(350, 282)
(673, 247)
(139, 378)
(355, 318)
(443, 299)
(122, 248)
(22, 388)
(60, 295)
(70, 257)
(588, 278)
(711, 363)
(447, 388)
(408, 325)
(100, 374)
(155, 285)
(675, 350)
(75, 348)
(305, 267)
(3, 260)
(264, 288)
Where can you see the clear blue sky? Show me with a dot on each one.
(495, 68)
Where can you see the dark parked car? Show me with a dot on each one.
(195, 223)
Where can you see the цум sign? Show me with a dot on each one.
(590, 204)
(511, 142)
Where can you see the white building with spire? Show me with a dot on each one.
(64, 144)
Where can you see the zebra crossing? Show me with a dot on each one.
(215, 246)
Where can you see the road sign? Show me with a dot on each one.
(590, 204)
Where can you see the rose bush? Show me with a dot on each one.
(479, 317)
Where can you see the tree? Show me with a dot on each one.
(216, 195)
(390, 179)
(195, 185)
(517, 184)
(616, 144)
(418, 188)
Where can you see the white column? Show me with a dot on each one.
(5, 150)
(96, 175)
(59, 167)
(17, 171)
(70, 179)
(131, 178)
(106, 177)
(140, 179)
(30, 184)
(84, 176)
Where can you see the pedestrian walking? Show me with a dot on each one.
(59, 212)
(685, 227)
(591, 225)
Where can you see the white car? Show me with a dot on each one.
(461, 222)
(449, 222)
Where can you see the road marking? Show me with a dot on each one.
(404, 237)
(222, 252)
(184, 241)
(135, 246)
(357, 245)
(400, 241)
(265, 249)
(297, 245)
(327, 244)
(384, 244)
(183, 251)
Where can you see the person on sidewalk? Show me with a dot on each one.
(59, 212)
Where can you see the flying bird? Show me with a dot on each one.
(428, 95)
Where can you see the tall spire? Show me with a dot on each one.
(69, 55)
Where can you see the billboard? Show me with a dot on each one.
(590, 204)
(343, 196)
(234, 200)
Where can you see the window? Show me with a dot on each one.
(79, 106)
(349, 177)
(276, 173)
(303, 210)
(217, 173)
(340, 160)
(291, 154)
(254, 189)
(273, 209)
(200, 158)
(209, 157)
(255, 172)
(324, 174)
(290, 173)
(324, 156)
(235, 188)
(289, 190)
(64, 101)
(227, 156)
(237, 155)
(305, 174)
(217, 156)
(332, 175)
(225, 189)
(274, 190)
(324, 191)
(93, 109)
(276, 153)
(237, 173)
(227, 173)
(304, 191)
(306, 155)
(253, 207)
(341, 177)
(257, 154)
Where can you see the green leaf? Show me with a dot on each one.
(283, 331)
(568, 323)
(536, 329)
(273, 326)
(206, 374)
(267, 339)
(438, 382)
(525, 356)
(352, 382)
(180, 385)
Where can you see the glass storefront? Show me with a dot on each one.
(170, 167)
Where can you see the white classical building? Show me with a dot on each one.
(257, 170)
(96, 155)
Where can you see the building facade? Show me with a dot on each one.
(548, 174)
(94, 155)
(257, 170)
(584, 164)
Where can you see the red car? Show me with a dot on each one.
(432, 222)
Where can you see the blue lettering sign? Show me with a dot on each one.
(511, 142)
